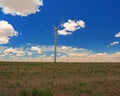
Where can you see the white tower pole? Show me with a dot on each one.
(55, 44)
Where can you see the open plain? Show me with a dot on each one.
(59, 79)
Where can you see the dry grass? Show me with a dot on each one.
(61, 79)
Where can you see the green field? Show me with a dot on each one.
(60, 79)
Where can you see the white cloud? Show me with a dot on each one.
(117, 34)
(63, 32)
(113, 43)
(38, 49)
(81, 23)
(71, 26)
(64, 47)
(12, 51)
(6, 31)
(29, 53)
(64, 54)
(21, 7)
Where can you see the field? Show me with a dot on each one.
(60, 79)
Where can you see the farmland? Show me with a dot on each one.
(60, 79)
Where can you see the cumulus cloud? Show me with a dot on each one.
(38, 49)
(21, 7)
(6, 31)
(64, 54)
(71, 26)
(11, 51)
(114, 43)
(63, 32)
(64, 47)
(29, 53)
(117, 35)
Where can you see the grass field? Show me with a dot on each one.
(60, 79)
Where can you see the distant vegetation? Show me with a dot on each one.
(60, 79)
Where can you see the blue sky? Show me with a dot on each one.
(101, 17)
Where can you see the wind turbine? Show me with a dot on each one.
(55, 39)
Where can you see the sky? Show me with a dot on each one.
(89, 30)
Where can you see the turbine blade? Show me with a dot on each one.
(54, 26)
(60, 23)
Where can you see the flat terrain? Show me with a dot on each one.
(60, 79)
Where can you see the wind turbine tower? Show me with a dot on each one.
(55, 43)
